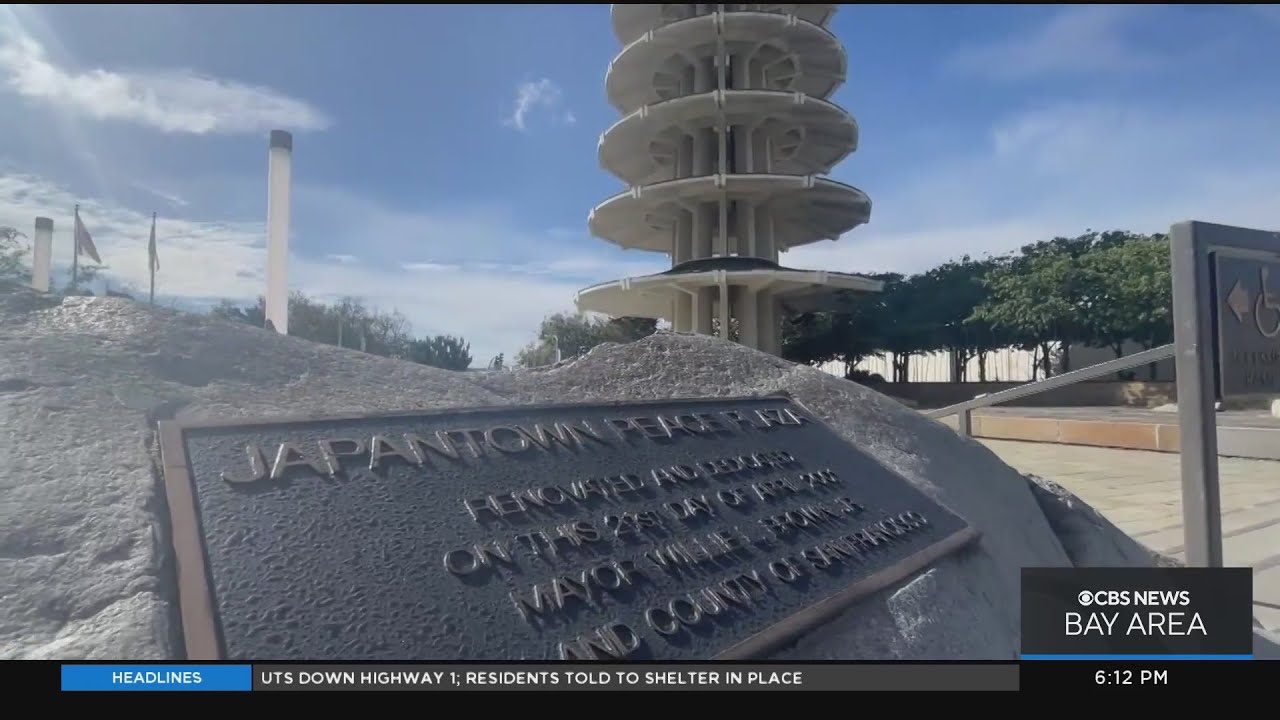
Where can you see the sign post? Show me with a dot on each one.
(1226, 317)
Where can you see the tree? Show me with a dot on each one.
(810, 338)
(576, 333)
(1044, 296)
(946, 297)
(847, 333)
(12, 254)
(255, 315)
(351, 324)
(905, 328)
(442, 351)
(630, 329)
(1134, 293)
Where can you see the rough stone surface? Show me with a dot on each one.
(85, 567)
(1089, 538)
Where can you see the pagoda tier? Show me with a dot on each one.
(726, 136)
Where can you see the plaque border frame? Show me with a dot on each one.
(200, 632)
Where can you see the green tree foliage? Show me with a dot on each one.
(847, 333)
(951, 293)
(442, 351)
(351, 324)
(12, 256)
(576, 333)
(1135, 291)
(1097, 289)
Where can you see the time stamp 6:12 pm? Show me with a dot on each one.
(1131, 677)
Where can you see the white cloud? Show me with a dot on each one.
(175, 101)
(174, 200)
(1061, 169)
(428, 267)
(538, 96)
(1077, 39)
(496, 306)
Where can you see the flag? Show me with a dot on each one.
(84, 241)
(151, 249)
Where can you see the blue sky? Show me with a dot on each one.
(445, 160)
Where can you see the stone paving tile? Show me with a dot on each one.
(1141, 492)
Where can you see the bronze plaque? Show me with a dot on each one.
(1248, 318)
(671, 530)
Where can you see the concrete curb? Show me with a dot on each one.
(1242, 442)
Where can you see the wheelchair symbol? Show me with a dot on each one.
(1266, 301)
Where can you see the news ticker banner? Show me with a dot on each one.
(1137, 614)
(1106, 676)
(526, 677)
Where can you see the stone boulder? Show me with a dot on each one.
(86, 570)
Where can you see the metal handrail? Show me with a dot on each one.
(966, 408)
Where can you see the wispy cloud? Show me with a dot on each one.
(1077, 39)
(174, 101)
(539, 97)
(174, 200)
(1063, 168)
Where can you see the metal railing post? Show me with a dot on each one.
(965, 424)
(1038, 386)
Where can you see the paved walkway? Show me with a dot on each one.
(1141, 492)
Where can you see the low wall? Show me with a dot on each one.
(1259, 443)
(1082, 394)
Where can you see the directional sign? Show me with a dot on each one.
(1248, 325)
(1226, 319)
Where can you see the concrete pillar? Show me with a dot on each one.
(42, 254)
(745, 228)
(722, 226)
(702, 310)
(723, 306)
(704, 229)
(279, 173)
(684, 237)
(775, 326)
(703, 79)
(764, 235)
(746, 310)
(741, 69)
(684, 159)
(683, 320)
(765, 321)
(704, 146)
